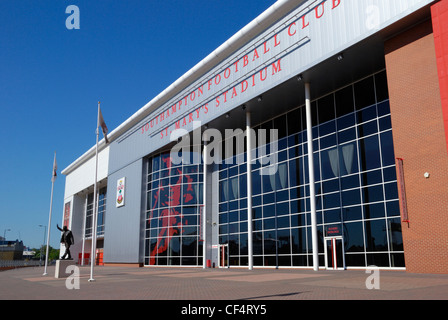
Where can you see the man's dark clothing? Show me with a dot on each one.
(67, 239)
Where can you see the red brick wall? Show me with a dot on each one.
(419, 138)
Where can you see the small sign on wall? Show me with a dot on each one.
(119, 200)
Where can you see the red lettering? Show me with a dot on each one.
(265, 74)
(234, 92)
(162, 117)
(217, 102)
(289, 29)
(152, 123)
(217, 82)
(244, 86)
(336, 3)
(228, 74)
(265, 50)
(200, 90)
(245, 61)
(206, 108)
(225, 96)
(177, 125)
(317, 10)
(197, 112)
(276, 42)
(256, 56)
(303, 23)
(185, 99)
(190, 117)
(276, 67)
(253, 80)
(173, 108)
(209, 84)
(193, 95)
(236, 65)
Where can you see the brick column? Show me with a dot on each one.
(420, 139)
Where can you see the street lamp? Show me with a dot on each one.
(43, 245)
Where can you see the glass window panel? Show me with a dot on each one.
(332, 200)
(327, 128)
(378, 259)
(376, 210)
(354, 237)
(332, 216)
(390, 174)
(351, 197)
(352, 213)
(384, 108)
(347, 135)
(330, 186)
(366, 114)
(284, 241)
(326, 108)
(280, 125)
(382, 92)
(283, 222)
(385, 123)
(387, 148)
(371, 177)
(376, 235)
(298, 220)
(373, 194)
(257, 212)
(369, 153)
(294, 122)
(344, 101)
(364, 93)
(395, 234)
(328, 141)
(368, 128)
(269, 211)
(391, 191)
(393, 208)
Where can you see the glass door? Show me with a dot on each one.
(334, 253)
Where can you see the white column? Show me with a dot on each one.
(309, 131)
(204, 209)
(249, 192)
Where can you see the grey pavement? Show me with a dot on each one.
(189, 284)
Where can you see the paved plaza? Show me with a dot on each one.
(188, 284)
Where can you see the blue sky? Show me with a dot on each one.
(124, 54)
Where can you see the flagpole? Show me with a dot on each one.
(49, 218)
(95, 209)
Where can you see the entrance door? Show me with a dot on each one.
(334, 253)
(223, 255)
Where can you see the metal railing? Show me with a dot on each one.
(11, 264)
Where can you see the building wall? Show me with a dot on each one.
(419, 139)
(123, 239)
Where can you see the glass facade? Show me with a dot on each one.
(173, 216)
(101, 214)
(356, 185)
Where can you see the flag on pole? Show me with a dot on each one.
(102, 124)
(55, 168)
